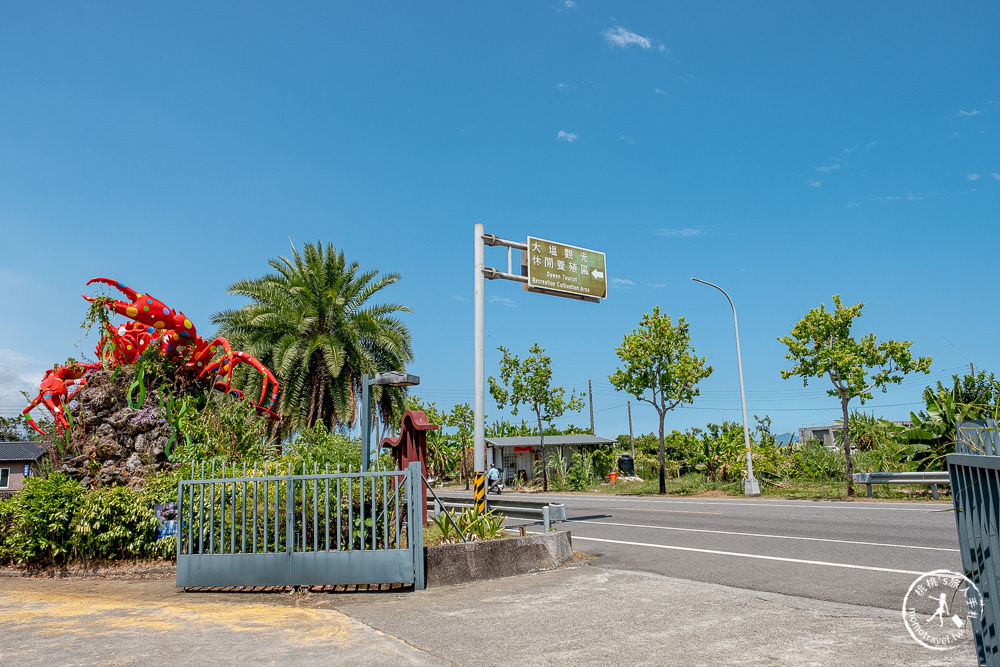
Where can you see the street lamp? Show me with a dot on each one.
(751, 488)
(386, 379)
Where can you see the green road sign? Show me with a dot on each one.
(566, 270)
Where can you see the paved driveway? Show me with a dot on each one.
(95, 621)
(576, 615)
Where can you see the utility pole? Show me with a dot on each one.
(590, 391)
(630, 438)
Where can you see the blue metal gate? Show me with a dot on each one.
(975, 487)
(300, 529)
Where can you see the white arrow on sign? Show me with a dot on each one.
(597, 274)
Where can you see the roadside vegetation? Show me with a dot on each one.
(313, 320)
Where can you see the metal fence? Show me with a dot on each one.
(284, 527)
(975, 485)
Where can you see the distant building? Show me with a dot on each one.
(18, 461)
(515, 456)
(827, 433)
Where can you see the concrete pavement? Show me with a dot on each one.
(575, 615)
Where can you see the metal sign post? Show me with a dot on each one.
(561, 270)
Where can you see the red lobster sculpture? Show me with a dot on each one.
(153, 323)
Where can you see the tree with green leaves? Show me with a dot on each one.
(821, 345)
(529, 383)
(463, 418)
(14, 428)
(313, 323)
(660, 368)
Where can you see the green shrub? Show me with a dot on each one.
(813, 460)
(6, 530)
(603, 462)
(43, 519)
(580, 476)
(114, 522)
(318, 446)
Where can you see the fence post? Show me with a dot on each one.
(289, 513)
(415, 522)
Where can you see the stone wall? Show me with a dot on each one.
(110, 443)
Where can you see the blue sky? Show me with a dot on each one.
(786, 151)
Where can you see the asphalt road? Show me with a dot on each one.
(861, 552)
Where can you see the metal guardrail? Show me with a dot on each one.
(930, 478)
(514, 508)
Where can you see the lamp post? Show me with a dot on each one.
(386, 379)
(752, 487)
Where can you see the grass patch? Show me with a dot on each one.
(694, 484)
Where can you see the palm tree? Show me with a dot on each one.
(312, 325)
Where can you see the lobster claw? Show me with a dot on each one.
(145, 309)
(127, 291)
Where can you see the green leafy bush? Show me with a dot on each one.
(581, 474)
(603, 462)
(114, 522)
(53, 519)
(318, 446)
(813, 460)
(43, 516)
(6, 530)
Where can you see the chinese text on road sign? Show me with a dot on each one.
(564, 268)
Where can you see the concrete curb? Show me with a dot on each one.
(449, 564)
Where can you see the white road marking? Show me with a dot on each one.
(780, 537)
(848, 566)
(803, 504)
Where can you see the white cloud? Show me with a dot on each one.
(621, 38)
(569, 4)
(562, 87)
(18, 372)
(503, 300)
(460, 298)
(968, 114)
(909, 196)
(627, 139)
(972, 177)
(621, 283)
(657, 285)
(826, 169)
(679, 233)
(815, 184)
(659, 91)
(996, 176)
(568, 137)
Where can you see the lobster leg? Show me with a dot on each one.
(54, 394)
(32, 406)
(225, 365)
(51, 394)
